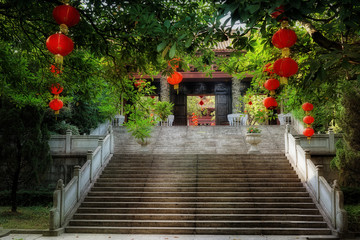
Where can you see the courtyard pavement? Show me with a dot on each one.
(67, 236)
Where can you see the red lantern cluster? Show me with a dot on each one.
(60, 45)
(284, 39)
(308, 120)
(194, 119)
(56, 104)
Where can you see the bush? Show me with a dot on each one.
(353, 212)
(62, 127)
(28, 198)
(351, 195)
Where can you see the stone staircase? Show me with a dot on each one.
(236, 194)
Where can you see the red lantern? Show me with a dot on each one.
(138, 83)
(175, 79)
(174, 63)
(65, 14)
(308, 132)
(201, 102)
(271, 85)
(56, 89)
(284, 38)
(307, 107)
(56, 105)
(308, 120)
(60, 45)
(268, 68)
(285, 67)
(55, 70)
(250, 103)
(270, 103)
(279, 10)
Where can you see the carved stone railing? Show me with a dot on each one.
(68, 198)
(329, 198)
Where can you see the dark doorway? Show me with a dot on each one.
(221, 90)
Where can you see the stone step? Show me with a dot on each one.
(170, 181)
(197, 172)
(195, 176)
(201, 189)
(184, 210)
(195, 216)
(198, 230)
(202, 185)
(279, 205)
(198, 223)
(279, 195)
(196, 198)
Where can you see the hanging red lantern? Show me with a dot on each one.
(60, 45)
(138, 83)
(279, 10)
(56, 89)
(66, 16)
(55, 70)
(308, 132)
(268, 69)
(270, 103)
(284, 38)
(308, 120)
(56, 105)
(271, 85)
(175, 79)
(174, 63)
(307, 107)
(285, 67)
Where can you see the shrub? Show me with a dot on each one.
(28, 198)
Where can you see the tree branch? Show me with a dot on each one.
(319, 38)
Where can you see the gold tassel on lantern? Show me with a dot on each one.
(64, 29)
(285, 52)
(283, 80)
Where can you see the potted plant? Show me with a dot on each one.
(140, 128)
(253, 137)
(163, 109)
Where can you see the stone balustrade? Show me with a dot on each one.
(329, 197)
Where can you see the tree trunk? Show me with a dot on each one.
(15, 180)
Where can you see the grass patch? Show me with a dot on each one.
(35, 217)
(353, 212)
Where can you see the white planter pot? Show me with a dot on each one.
(253, 139)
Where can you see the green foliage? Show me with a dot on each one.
(163, 109)
(28, 198)
(61, 128)
(34, 217)
(253, 130)
(353, 214)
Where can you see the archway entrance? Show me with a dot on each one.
(219, 90)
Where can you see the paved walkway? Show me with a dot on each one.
(67, 236)
(201, 139)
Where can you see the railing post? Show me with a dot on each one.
(60, 187)
(318, 173)
(89, 156)
(55, 212)
(334, 188)
(101, 144)
(307, 156)
(68, 141)
(287, 128)
(77, 174)
(331, 140)
(297, 143)
(111, 132)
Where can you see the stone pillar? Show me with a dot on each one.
(236, 93)
(164, 89)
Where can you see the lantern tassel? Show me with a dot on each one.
(284, 24)
(283, 80)
(285, 52)
(59, 60)
(64, 29)
(272, 92)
